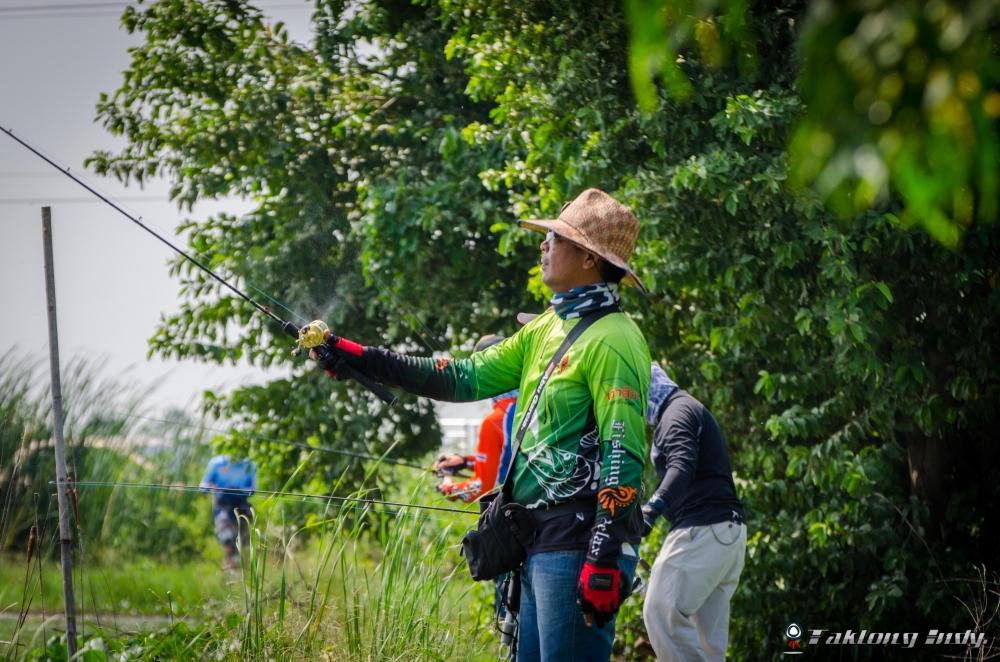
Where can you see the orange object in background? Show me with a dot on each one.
(486, 461)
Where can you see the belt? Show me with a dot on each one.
(544, 514)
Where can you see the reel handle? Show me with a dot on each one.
(312, 335)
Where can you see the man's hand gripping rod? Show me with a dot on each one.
(311, 337)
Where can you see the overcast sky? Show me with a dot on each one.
(112, 284)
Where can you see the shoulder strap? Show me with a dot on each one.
(529, 412)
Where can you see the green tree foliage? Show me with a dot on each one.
(902, 96)
(364, 212)
(850, 361)
(661, 33)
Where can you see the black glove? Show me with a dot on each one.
(332, 361)
(335, 353)
(450, 464)
(650, 512)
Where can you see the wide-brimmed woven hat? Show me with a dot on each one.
(600, 224)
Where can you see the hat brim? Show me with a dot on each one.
(564, 229)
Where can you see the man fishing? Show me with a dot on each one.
(580, 461)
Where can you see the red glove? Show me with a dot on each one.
(445, 487)
(599, 593)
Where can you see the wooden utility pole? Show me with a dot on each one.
(62, 491)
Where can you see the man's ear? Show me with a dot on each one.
(591, 261)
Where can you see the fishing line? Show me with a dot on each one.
(322, 449)
(379, 390)
(289, 328)
(385, 290)
(147, 228)
(99, 193)
(175, 236)
(298, 316)
(180, 487)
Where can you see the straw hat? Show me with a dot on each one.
(600, 224)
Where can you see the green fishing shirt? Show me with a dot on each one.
(587, 439)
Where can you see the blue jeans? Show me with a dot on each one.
(551, 626)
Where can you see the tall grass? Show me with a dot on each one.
(27, 464)
(344, 582)
(369, 585)
(377, 585)
(99, 428)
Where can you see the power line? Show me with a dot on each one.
(122, 5)
(20, 174)
(97, 9)
(45, 199)
(71, 6)
(322, 449)
(91, 14)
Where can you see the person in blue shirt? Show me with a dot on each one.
(231, 483)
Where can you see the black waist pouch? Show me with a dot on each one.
(497, 545)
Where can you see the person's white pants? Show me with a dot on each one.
(686, 610)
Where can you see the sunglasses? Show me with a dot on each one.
(551, 238)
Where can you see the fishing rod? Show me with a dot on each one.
(310, 336)
(180, 487)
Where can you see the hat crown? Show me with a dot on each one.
(609, 227)
(600, 224)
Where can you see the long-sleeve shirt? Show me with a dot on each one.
(494, 444)
(587, 437)
(690, 458)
